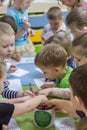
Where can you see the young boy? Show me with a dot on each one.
(78, 103)
(52, 60)
(15, 107)
(56, 25)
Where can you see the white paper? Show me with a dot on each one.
(48, 35)
(15, 84)
(41, 81)
(20, 72)
(39, 70)
(13, 125)
(27, 60)
(66, 123)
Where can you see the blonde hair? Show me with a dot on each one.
(2, 69)
(5, 28)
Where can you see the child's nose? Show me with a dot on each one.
(10, 48)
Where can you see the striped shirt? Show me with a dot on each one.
(7, 93)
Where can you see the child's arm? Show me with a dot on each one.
(64, 106)
(7, 93)
(29, 105)
(57, 92)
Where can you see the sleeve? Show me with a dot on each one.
(61, 92)
(7, 93)
(6, 111)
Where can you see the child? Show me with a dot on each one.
(77, 21)
(52, 60)
(18, 10)
(7, 38)
(74, 3)
(15, 107)
(66, 43)
(11, 21)
(78, 103)
(56, 25)
(79, 49)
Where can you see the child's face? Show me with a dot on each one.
(56, 23)
(80, 59)
(50, 73)
(69, 3)
(24, 4)
(6, 45)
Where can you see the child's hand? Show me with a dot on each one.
(48, 86)
(26, 93)
(27, 25)
(5, 127)
(12, 69)
(16, 57)
(45, 91)
(31, 32)
(43, 99)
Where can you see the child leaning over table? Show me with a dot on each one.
(18, 10)
(7, 38)
(79, 51)
(52, 60)
(56, 25)
(78, 103)
(15, 107)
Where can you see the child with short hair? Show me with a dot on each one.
(18, 10)
(7, 38)
(52, 60)
(56, 25)
(15, 107)
(76, 20)
(79, 50)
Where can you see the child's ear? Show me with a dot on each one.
(57, 69)
(78, 100)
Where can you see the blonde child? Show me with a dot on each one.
(15, 107)
(52, 60)
(55, 26)
(7, 38)
(18, 10)
(77, 21)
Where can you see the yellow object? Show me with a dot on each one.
(37, 37)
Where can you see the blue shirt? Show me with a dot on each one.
(18, 17)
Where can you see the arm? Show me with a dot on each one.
(28, 105)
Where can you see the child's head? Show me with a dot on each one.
(78, 82)
(54, 16)
(79, 49)
(22, 4)
(63, 41)
(71, 3)
(2, 75)
(9, 20)
(7, 39)
(77, 20)
(52, 60)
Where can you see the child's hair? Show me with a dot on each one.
(51, 55)
(78, 19)
(82, 125)
(5, 28)
(2, 69)
(78, 82)
(10, 20)
(54, 12)
(81, 41)
(63, 41)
